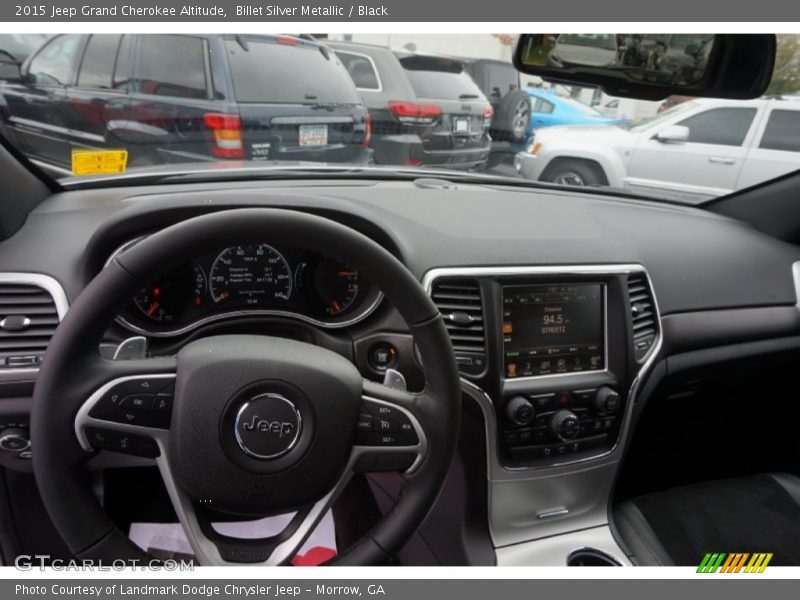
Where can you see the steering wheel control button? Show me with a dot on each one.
(138, 401)
(163, 402)
(110, 400)
(267, 426)
(147, 385)
(126, 443)
(365, 422)
(390, 427)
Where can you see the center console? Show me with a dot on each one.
(553, 356)
(554, 331)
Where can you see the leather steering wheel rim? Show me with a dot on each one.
(73, 371)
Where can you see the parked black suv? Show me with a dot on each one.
(425, 110)
(179, 98)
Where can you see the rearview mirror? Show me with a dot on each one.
(652, 66)
(673, 134)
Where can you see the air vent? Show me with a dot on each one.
(459, 301)
(643, 314)
(28, 317)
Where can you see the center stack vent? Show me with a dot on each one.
(643, 314)
(460, 303)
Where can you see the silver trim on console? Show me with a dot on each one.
(51, 286)
(235, 314)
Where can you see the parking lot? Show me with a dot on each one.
(451, 102)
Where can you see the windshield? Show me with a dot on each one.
(125, 107)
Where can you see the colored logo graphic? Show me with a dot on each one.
(737, 562)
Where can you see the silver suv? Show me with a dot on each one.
(694, 151)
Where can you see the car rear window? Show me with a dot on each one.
(271, 72)
(783, 131)
(361, 69)
(442, 79)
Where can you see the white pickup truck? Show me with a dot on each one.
(692, 152)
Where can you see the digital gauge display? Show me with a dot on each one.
(251, 274)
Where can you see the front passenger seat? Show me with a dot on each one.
(757, 513)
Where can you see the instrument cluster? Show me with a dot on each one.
(248, 280)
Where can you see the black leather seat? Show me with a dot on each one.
(757, 513)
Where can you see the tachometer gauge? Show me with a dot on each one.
(335, 284)
(170, 295)
(254, 274)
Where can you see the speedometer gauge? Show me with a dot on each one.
(254, 274)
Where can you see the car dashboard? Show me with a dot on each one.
(563, 309)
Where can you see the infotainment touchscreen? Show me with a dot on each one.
(552, 329)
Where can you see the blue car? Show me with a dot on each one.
(548, 109)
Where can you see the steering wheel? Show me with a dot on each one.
(245, 425)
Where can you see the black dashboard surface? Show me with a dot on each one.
(697, 261)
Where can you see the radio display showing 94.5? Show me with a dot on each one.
(250, 279)
(552, 329)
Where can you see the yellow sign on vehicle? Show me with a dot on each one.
(99, 162)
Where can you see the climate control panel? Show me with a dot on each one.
(560, 425)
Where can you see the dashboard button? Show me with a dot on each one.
(543, 402)
(382, 356)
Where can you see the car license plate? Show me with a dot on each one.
(313, 135)
(461, 124)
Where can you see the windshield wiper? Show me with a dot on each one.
(468, 97)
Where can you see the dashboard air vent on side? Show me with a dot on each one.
(643, 314)
(28, 318)
(459, 301)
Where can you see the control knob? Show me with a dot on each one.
(564, 425)
(519, 410)
(14, 439)
(607, 400)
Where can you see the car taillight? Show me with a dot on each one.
(287, 40)
(226, 132)
(367, 131)
(488, 113)
(413, 113)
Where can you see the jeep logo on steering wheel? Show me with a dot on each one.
(267, 426)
